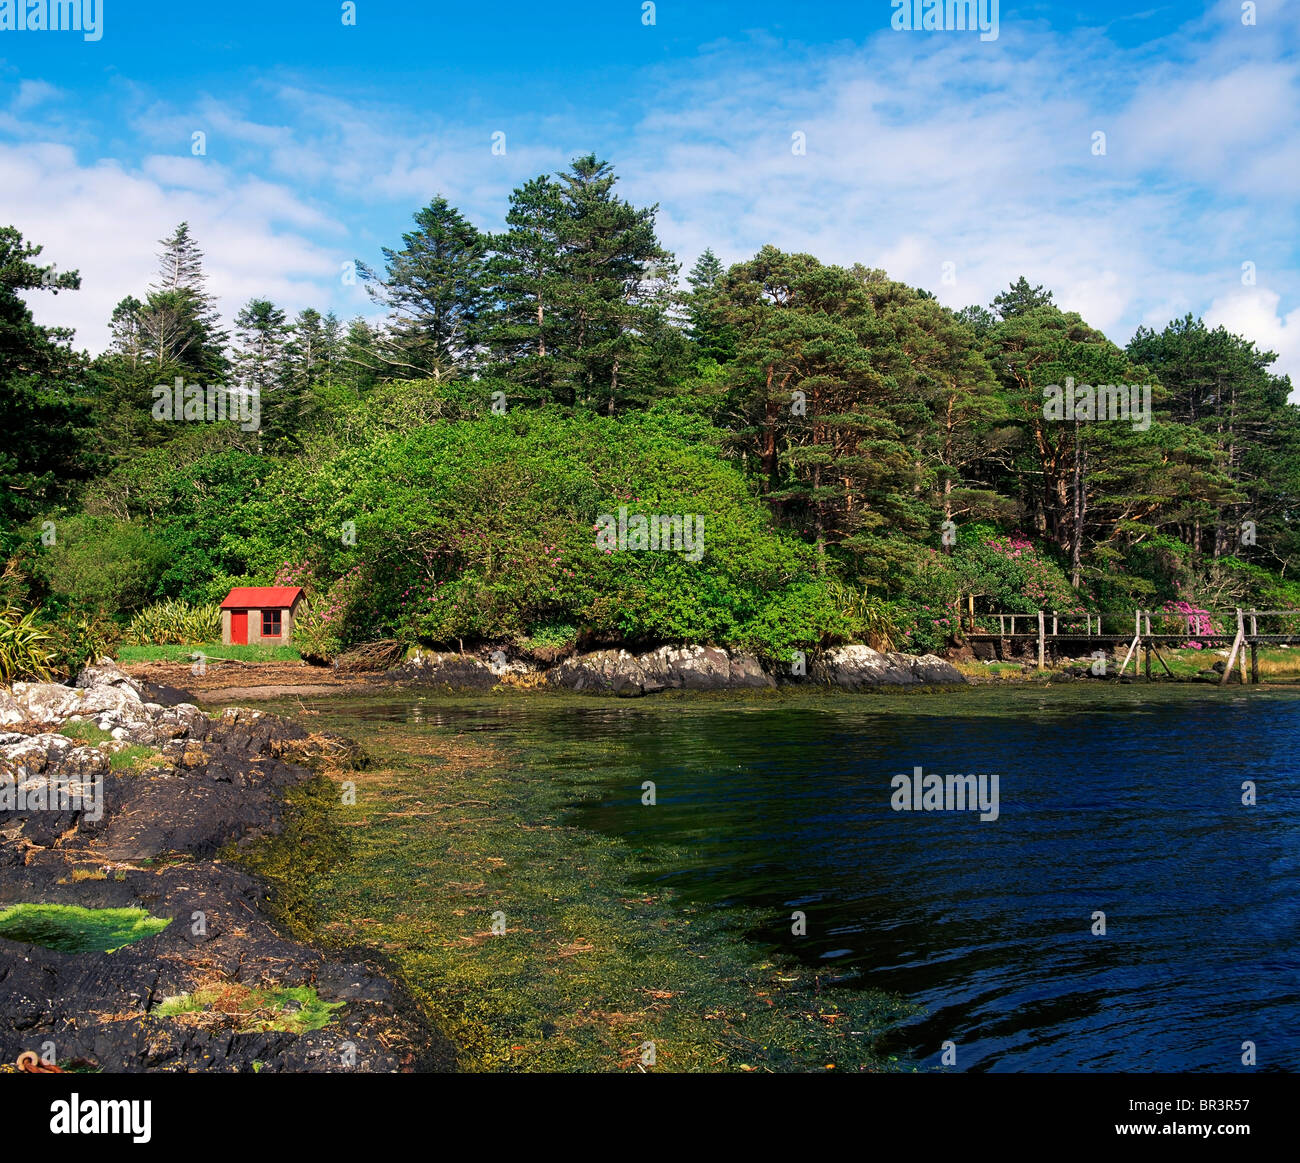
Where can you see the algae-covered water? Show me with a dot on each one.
(772, 837)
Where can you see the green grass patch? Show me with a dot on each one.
(254, 1009)
(135, 757)
(72, 929)
(86, 732)
(213, 651)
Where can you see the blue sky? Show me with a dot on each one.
(953, 163)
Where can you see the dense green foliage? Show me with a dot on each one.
(854, 455)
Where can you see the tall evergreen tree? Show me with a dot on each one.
(44, 418)
(1221, 386)
(815, 392)
(180, 317)
(707, 327)
(435, 287)
(618, 283)
(527, 285)
(262, 366)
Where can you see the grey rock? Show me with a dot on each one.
(857, 667)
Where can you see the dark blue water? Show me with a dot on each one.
(1111, 800)
(1122, 800)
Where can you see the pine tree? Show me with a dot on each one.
(359, 365)
(525, 327)
(262, 366)
(617, 283)
(1220, 386)
(435, 289)
(713, 338)
(308, 352)
(1019, 298)
(180, 321)
(814, 389)
(44, 419)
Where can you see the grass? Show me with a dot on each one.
(213, 651)
(450, 833)
(73, 929)
(254, 1009)
(1185, 665)
(86, 732)
(131, 757)
(135, 757)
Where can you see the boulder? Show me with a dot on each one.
(696, 668)
(602, 672)
(10, 711)
(51, 702)
(105, 672)
(453, 671)
(856, 667)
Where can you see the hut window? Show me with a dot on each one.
(270, 623)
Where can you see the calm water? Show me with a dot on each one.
(1112, 799)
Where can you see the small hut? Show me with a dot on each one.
(259, 614)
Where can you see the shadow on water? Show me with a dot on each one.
(1122, 801)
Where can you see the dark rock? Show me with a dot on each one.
(154, 847)
(447, 671)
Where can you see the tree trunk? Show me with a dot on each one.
(769, 433)
(1080, 511)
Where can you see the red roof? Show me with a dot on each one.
(261, 597)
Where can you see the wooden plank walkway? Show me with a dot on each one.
(1044, 627)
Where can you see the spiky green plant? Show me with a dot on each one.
(26, 649)
(175, 623)
(870, 619)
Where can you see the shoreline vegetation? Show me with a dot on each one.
(553, 446)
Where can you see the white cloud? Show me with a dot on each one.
(1254, 313)
(105, 221)
(921, 150)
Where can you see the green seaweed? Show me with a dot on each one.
(454, 835)
(73, 929)
(294, 1010)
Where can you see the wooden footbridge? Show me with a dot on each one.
(1060, 635)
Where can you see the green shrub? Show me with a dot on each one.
(101, 564)
(80, 637)
(174, 622)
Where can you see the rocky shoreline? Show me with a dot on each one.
(618, 671)
(220, 987)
